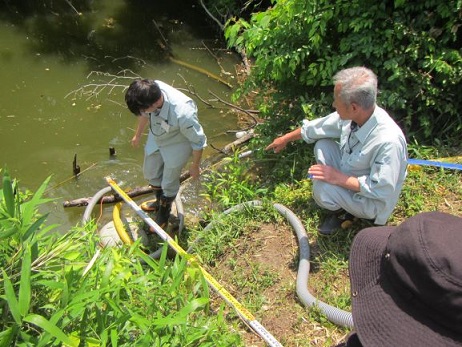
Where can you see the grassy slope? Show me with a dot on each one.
(255, 253)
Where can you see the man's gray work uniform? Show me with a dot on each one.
(174, 132)
(375, 153)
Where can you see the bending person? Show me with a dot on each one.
(175, 135)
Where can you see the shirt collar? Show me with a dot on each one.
(165, 107)
(363, 132)
(163, 113)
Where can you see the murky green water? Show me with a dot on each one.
(43, 124)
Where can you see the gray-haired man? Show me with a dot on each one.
(361, 153)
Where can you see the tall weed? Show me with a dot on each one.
(60, 290)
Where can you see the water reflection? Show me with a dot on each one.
(49, 52)
(108, 28)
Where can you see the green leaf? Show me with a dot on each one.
(114, 337)
(107, 272)
(35, 226)
(24, 286)
(11, 298)
(7, 336)
(51, 328)
(29, 208)
(6, 234)
(193, 305)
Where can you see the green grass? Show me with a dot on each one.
(66, 291)
(57, 290)
(425, 189)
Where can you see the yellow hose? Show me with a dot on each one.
(119, 225)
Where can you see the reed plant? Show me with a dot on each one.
(64, 290)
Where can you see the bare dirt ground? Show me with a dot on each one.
(274, 249)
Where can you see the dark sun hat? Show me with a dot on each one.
(406, 282)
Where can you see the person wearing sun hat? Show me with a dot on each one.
(406, 283)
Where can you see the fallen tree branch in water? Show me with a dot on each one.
(201, 70)
(107, 199)
(223, 71)
(220, 24)
(241, 51)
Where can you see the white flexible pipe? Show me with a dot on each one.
(91, 204)
(334, 314)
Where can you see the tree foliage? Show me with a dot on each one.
(414, 47)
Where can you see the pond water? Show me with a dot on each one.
(49, 63)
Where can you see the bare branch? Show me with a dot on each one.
(107, 83)
(192, 91)
(161, 35)
(72, 6)
(220, 25)
(237, 108)
(223, 71)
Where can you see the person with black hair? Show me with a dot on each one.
(175, 135)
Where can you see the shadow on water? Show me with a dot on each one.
(105, 32)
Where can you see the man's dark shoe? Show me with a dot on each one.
(336, 221)
(165, 207)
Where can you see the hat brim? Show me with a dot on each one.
(380, 317)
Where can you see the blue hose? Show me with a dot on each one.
(435, 163)
(410, 161)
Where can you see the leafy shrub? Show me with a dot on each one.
(233, 183)
(414, 47)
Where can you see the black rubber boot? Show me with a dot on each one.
(153, 206)
(165, 207)
(337, 220)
